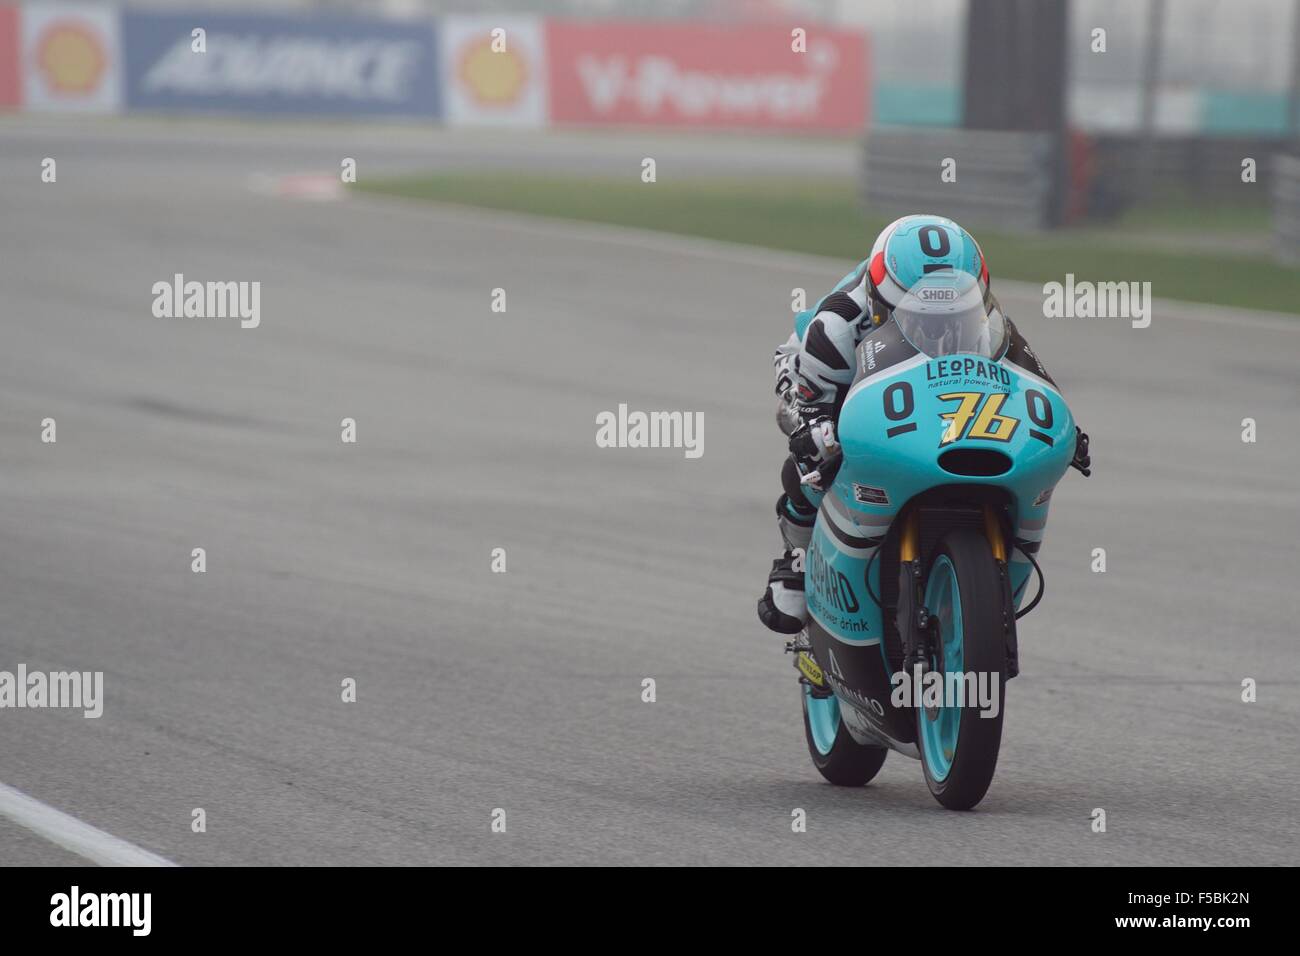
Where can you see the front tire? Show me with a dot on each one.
(836, 755)
(959, 747)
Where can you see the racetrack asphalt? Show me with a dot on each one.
(476, 430)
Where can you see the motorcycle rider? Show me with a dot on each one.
(815, 369)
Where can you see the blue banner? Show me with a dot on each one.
(319, 66)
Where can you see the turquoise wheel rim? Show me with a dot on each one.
(940, 727)
(823, 720)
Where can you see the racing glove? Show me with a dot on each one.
(1082, 460)
(813, 446)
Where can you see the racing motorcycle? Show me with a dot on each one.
(953, 437)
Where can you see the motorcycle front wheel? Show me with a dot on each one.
(959, 743)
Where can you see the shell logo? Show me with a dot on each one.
(492, 79)
(71, 57)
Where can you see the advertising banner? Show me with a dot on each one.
(11, 85)
(280, 64)
(704, 74)
(493, 70)
(71, 57)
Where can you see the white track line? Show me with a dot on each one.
(71, 834)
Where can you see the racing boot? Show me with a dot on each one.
(782, 607)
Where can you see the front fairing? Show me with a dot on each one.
(907, 431)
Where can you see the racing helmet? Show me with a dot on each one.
(910, 248)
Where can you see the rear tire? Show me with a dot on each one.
(959, 747)
(836, 755)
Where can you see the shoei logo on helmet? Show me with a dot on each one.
(937, 295)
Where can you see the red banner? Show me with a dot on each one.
(698, 74)
(10, 58)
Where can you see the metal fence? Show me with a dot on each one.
(1170, 167)
(1002, 179)
(1286, 208)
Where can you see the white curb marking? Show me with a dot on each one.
(73, 835)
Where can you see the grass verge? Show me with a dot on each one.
(1216, 256)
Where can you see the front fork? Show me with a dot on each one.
(916, 626)
(998, 543)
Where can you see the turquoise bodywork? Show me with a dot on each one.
(893, 428)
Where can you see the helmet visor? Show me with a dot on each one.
(944, 314)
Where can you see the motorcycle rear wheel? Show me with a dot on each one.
(836, 755)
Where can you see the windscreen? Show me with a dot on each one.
(944, 314)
